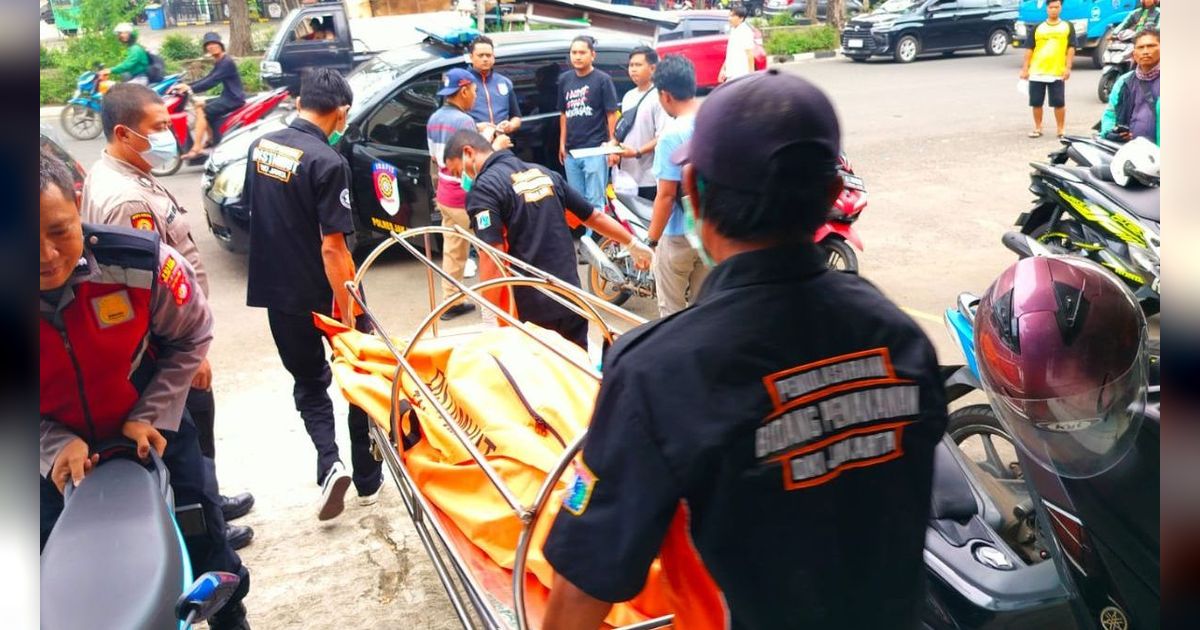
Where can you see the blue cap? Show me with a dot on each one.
(454, 81)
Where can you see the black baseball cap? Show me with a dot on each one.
(746, 122)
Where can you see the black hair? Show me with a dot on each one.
(739, 10)
(1050, 1)
(587, 39)
(482, 39)
(52, 171)
(125, 104)
(462, 139)
(316, 23)
(323, 90)
(793, 206)
(676, 76)
(649, 53)
(1152, 32)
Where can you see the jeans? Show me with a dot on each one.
(589, 176)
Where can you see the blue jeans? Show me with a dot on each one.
(589, 176)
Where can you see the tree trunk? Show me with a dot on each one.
(835, 14)
(239, 29)
(810, 10)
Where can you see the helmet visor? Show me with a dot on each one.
(1083, 434)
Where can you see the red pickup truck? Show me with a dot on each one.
(702, 36)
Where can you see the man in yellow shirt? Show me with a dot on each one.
(1048, 67)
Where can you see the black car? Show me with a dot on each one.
(394, 95)
(907, 28)
(797, 8)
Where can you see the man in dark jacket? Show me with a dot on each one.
(1133, 106)
(233, 95)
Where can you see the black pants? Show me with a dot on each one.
(303, 355)
(208, 552)
(648, 192)
(215, 110)
(1039, 90)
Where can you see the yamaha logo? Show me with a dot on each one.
(1113, 618)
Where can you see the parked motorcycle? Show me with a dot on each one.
(80, 118)
(1118, 59)
(117, 558)
(183, 120)
(614, 277)
(1082, 211)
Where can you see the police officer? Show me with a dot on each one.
(785, 423)
(120, 190)
(496, 104)
(122, 331)
(298, 195)
(519, 207)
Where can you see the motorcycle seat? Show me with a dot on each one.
(642, 208)
(114, 559)
(1141, 201)
(952, 498)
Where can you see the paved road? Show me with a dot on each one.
(941, 144)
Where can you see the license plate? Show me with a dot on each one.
(853, 182)
(854, 43)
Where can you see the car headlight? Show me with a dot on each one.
(270, 67)
(230, 180)
(879, 27)
(1081, 27)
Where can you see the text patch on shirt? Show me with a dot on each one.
(577, 102)
(533, 184)
(833, 415)
(276, 160)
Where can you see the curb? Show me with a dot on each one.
(812, 56)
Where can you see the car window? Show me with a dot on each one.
(616, 64)
(400, 121)
(704, 28)
(677, 32)
(313, 27)
(945, 5)
(535, 82)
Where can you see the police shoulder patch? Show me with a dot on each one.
(483, 220)
(143, 221)
(579, 490)
(345, 198)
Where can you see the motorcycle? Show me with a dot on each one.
(613, 276)
(1118, 59)
(1081, 211)
(183, 119)
(80, 118)
(117, 558)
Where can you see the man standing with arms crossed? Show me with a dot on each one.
(587, 99)
(1048, 67)
(739, 55)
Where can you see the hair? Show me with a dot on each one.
(482, 39)
(125, 104)
(1050, 2)
(53, 172)
(462, 139)
(793, 206)
(676, 76)
(1152, 32)
(316, 23)
(649, 53)
(323, 90)
(739, 10)
(586, 39)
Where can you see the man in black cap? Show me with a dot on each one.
(783, 427)
(233, 95)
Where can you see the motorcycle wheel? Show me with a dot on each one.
(839, 255)
(80, 122)
(981, 421)
(1104, 90)
(599, 286)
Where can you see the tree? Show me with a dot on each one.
(239, 28)
(835, 14)
(810, 10)
(100, 16)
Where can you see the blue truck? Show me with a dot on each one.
(1094, 21)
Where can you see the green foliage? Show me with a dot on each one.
(89, 49)
(178, 47)
(100, 16)
(248, 70)
(49, 57)
(56, 86)
(261, 34)
(802, 41)
(783, 19)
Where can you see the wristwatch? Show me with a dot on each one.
(637, 153)
(652, 243)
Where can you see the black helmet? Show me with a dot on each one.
(212, 38)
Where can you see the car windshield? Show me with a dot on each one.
(897, 6)
(379, 73)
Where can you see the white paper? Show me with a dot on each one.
(604, 149)
(1023, 87)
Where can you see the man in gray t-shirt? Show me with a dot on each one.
(638, 157)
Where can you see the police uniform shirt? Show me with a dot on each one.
(297, 190)
(794, 412)
(520, 206)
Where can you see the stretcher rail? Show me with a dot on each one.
(450, 566)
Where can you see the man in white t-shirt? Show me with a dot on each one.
(637, 159)
(739, 55)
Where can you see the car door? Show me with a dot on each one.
(302, 48)
(394, 150)
(941, 30)
(703, 40)
(971, 29)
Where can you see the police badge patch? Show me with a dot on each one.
(483, 220)
(345, 198)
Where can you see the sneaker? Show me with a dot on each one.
(470, 269)
(370, 499)
(456, 310)
(333, 492)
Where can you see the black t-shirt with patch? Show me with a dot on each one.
(521, 205)
(297, 191)
(795, 410)
(586, 101)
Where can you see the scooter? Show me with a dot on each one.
(80, 117)
(1118, 59)
(183, 119)
(117, 558)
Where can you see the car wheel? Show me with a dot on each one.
(1107, 81)
(997, 42)
(907, 49)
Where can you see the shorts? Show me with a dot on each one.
(1057, 90)
(216, 109)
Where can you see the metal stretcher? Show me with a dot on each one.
(483, 594)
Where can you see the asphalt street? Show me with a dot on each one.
(941, 146)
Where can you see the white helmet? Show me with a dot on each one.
(123, 27)
(1139, 160)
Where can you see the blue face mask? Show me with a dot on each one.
(467, 180)
(162, 148)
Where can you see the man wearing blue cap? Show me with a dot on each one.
(782, 428)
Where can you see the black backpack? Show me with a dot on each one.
(157, 69)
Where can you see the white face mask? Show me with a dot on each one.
(162, 148)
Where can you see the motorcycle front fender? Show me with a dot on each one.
(844, 230)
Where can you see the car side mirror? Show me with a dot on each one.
(207, 595)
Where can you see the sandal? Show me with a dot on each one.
(1035, 134)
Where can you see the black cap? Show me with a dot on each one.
(212, 38)
(746, 122)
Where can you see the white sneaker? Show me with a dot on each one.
(333, 492)
(470, 268)
(370, 499)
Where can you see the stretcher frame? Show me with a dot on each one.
(436, 536)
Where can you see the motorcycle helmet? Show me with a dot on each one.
(1061, 345)
(123, 27)
(1137, 160)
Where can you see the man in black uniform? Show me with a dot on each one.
(297, 190)
(793, 410)
(519, 207)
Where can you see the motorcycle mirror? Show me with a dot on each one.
(207, 595)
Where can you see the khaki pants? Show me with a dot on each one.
(454, 248)
(678, 274)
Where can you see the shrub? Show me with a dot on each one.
(178, 47)
(807, 40)
(248, 70)
(55, 86)
(49, 57)
(783, 19)
(260, 36)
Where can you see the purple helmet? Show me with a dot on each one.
(1061, 346)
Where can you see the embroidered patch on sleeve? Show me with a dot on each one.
(112, 309)
(579, 491)
(483, 220)
(142, 221)
(174, 278)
